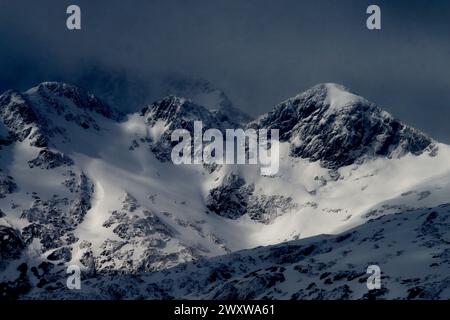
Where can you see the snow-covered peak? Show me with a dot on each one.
(338, 96)
(179, 111)
(173, 108)
(332, 96)
(47, 113)
(330, 124)
(63, 96)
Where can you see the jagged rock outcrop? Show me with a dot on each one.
(48, 159)
(29, 114)
(234, 198)
(231, 198)
(172, 113)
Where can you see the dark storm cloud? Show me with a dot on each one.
(259, 51)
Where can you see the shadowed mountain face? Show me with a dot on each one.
(82, 184)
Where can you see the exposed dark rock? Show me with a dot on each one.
(64, 254)
(180, 113)
(48, 159)
(231, 198)
(234, 198)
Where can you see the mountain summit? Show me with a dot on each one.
(333, 125)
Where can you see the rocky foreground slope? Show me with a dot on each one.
(411, 249)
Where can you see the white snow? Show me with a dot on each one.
(339, 97)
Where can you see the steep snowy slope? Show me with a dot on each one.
(82, 184)
(410, 248)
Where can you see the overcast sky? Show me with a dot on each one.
(259, 51)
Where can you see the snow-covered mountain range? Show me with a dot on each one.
(84, 184)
